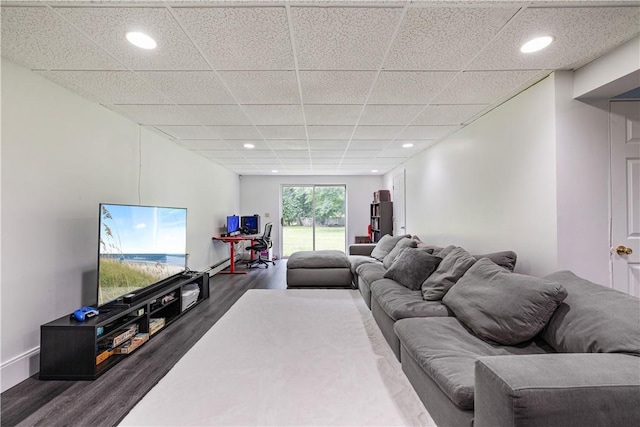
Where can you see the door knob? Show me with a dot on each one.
(623, 250)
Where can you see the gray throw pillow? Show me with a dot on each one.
(502, 307)
(412, 267)
(506, 259)
(443, 252)
(450, 270)
(385, 245)
(402, 244)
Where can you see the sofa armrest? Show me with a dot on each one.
(564, 389)
(361, 249)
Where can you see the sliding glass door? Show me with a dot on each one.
(313, 218)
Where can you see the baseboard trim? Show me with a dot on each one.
(19, 368)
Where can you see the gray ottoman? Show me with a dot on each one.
(324, 269)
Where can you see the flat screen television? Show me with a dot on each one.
(139, 246)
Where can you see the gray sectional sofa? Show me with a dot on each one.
(504, 349)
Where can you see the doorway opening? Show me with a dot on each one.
(313, 218)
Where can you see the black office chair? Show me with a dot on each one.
(262, 243)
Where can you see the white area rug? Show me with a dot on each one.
(286, 357)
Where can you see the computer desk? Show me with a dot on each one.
(232, 240)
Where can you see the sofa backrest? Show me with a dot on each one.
(593, 319)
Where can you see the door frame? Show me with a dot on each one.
(313, 186)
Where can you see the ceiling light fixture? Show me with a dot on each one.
(407, 145)
(141, 40)
(374, 170)
(274, 171)
(249, 146)
(536, 44)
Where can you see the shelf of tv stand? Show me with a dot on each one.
(68, 348)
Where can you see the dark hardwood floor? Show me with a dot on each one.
(106, 401)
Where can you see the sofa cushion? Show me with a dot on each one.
(503, 307)
(371, 272)
(385, 245)
(450, 270)
(357, 260)
(412, 267)
(506, 259)
(447, 352)
(399, 302)
(318, 259)
(402, 244)
(593, 319)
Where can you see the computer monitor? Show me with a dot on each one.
(252, 224)
(233, 223)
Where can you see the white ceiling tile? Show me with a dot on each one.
(294, 161)
(444, 38)
(361, 153)
(328, 144)
(204, 144)
(262, 154)
(262, 87)
(223, 115)
(275, 114)
(188, 132)
(329, 132)
(295, 154)
(448, 114)
(35, 37)
(580, 34)
(240, 38)
(317, 114)
(395, 153)
(283, 132)
(409, 87)
(483, 87)
(364, 144)
(189, 87)
(389, 114)
(107, 26)
(358, 160)
(427, 132)
(326, 154)
(335, 87)
(376, 132)
(326, 160)
(238, 144)
(109, 87)
(156, 115)
(262, 161)
(235, 132)
(326, 38)
(288, 144)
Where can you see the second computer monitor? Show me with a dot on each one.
(252, 224)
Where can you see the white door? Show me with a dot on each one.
(398, 204)
(624, 120)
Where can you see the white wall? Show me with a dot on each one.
(492, 185)
(582, 170)
(261, 195)
(61, 156)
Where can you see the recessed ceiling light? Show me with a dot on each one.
(249, 146)
(141, 40)
(374, 170)
(536, 44)
(274, 171)
(407, 145)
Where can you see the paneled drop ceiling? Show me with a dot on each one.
(318, 87)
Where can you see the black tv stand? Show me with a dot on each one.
(72, 350)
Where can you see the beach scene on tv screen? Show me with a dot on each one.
(139, 245)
